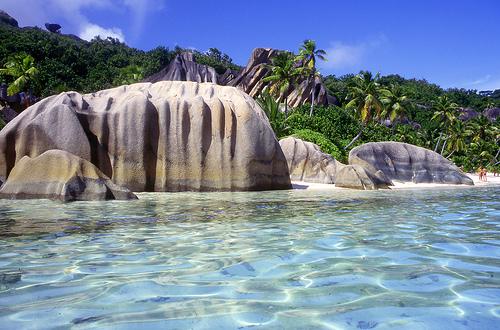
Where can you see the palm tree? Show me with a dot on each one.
(396, 103)
(282, 76)
(307, 55)
(276, 117)
(445, 115)
(22, 68)
(482, 129)
(364, 95)
(458, 134)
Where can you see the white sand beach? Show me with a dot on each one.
(491, 180)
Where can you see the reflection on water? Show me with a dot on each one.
(288, 259)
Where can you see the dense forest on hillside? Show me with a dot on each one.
(65, 62)
(450, 122)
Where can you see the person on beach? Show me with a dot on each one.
(480, 173)
(485, 179)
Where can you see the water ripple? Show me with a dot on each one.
(289, 259)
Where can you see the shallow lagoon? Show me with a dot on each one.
(408, 259)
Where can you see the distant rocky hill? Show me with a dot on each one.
(249, 79)
(7, 19)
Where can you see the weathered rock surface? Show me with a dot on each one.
(7, 19)
(407, 163)
(249, 80)
(307, 163)
(358, 177)
(167, 136)
(7, 113)
(184, 68)
(492, 114)
(57, 174)
(466, 114)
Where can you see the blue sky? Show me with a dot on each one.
(454, 43)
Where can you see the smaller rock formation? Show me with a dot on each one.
(250, 81)
(357, 177)
(466, 114)
(7, 113)
(307, 163)
(184, 68)
(492, 114)
(53, 27)
(7, 19)
(407, 163)
(57, 174)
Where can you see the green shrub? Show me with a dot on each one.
(323, 143)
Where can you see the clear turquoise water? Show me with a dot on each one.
(417, 259)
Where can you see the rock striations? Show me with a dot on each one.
(407, 163)
(371, 166)
(184, 68)
(167, 136)
(249, 80)
(307, 163)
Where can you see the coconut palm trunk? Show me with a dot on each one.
(355, 138)
(312, 98)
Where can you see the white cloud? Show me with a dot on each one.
(480, 81)
(72, 15)
(486, 82)
(89, 31)
(342, 55)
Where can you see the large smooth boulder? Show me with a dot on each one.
(307, 163)
(166, 136)
(57, 174)
(407, 163)
(358, 177)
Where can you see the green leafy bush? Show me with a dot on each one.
(323, 143)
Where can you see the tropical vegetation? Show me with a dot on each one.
(369, 107)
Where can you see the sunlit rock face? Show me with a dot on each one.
(57, 174)
(307, 163)
(407, 163)
(166, 136)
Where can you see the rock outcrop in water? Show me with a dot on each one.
(58, 174)
(167, 136)
(407, 163)
(249, 80)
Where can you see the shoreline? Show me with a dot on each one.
(492, 181)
